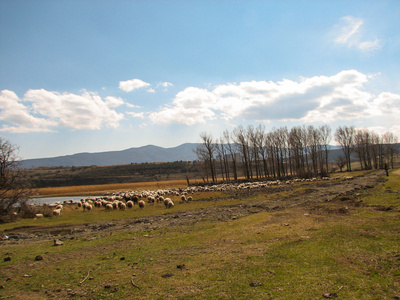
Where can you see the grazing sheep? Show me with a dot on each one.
(79, 204)
(129, 204)
(39, 216)
(89, 207)
(135, 199)
(122, 206)
(183, 198)
(170, 204)
(141, 204)
(56, 212)
(166, 200)
(109, 206)
(189, 199)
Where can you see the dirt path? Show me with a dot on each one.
(340, 193)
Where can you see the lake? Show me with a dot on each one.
(52, 200)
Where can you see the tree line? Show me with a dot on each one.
(302, 151)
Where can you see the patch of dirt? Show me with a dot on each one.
(342, 193)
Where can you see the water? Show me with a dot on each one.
(52, 200)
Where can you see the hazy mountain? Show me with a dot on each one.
(143, 154)
(150, 153)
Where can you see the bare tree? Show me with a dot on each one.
(14, 192)
(345, 137)
(242, 143)
(206, 152)
(232, 152)
(390, 149)
(341, 162)
(326, 137)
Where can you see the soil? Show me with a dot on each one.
(342, 194)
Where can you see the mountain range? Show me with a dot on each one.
(145, 154)
(149, 154)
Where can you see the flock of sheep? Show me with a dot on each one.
(124, 200)
(128, 199)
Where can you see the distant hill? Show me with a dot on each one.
(143, 154)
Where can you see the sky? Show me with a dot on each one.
(92, 76)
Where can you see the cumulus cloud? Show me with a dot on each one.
(114, 101)
(315, 99)
(14, 112)
(41, 110)
(190, 106)
(133, 84)
(349, 32)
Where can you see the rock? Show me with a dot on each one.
(8, 258)
(58, 243)
(38, 257)
(167, 275)
(330, 295)
(255, 284)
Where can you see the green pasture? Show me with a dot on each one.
(290, 254)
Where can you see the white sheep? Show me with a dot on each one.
(129, 204)
(170, 204)
(141, 204)
(115, 204)
(57, 212)
(122, 206)
(166, 200)
(109, 206)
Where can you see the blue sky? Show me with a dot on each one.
(93, 76)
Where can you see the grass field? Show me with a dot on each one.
(287, 254)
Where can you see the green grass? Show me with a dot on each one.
(294, 254)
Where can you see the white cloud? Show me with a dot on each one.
(164, 84)
(114, 101)
(151, 90)
(315, 99)
(41, 110)
(13, 111)
(132, 105)
(139, 115)
(132, 84)
(190, 106)
(349, 32)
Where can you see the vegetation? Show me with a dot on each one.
(338, 248)
(302, 151)
(118, 174)
(13, 188)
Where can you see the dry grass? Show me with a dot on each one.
(103, 188)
